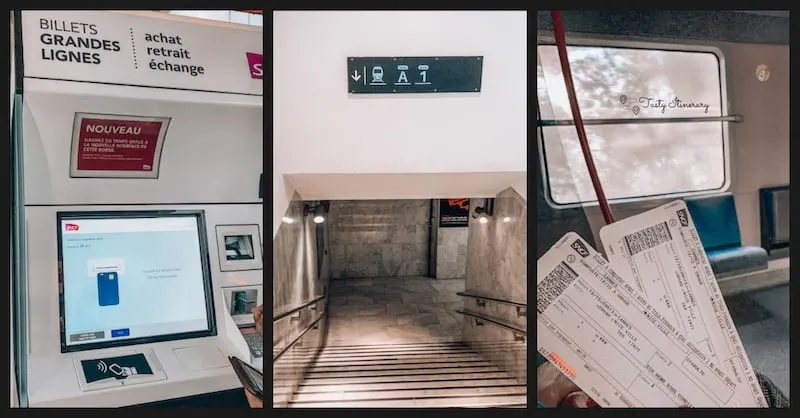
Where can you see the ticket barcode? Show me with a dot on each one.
(554, 285)
(647, 238)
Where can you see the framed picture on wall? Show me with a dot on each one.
(453, 213)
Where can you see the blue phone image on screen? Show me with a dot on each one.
(108, 288)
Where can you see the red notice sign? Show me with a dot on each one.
(113, 146)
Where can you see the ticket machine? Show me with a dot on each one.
(140, 143)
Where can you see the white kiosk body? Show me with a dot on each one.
(194, 91)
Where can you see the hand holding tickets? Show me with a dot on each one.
(659, 253)
(554, 388)
(258, 317)
(625, 350)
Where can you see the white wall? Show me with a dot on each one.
(281, 191)
(321, 129)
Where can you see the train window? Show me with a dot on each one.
(636, 155)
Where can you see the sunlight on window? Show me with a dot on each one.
(633, 160)
(233, 16)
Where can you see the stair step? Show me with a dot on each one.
(425, 364)
(331, 346)
(407, 350)
(471, 401)
(409, 393)
(405, 385)
(432, 377)
(375, 350)
(352, 348)
(389, 351)
(357, 361)
(382, 347)
(354, 360)
(385, 364)
(416, 344)
(369, 373)
(380, 356)
(422, 375)
(379, 350)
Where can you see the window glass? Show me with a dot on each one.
(633, 160)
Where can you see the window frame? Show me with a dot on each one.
(549, 40)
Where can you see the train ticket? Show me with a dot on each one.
(659, 253)
(601, 333)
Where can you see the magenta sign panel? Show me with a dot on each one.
(256, 64)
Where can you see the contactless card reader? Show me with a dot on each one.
(122, 369)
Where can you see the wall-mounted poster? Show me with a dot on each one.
(453, 213)
(117, 146)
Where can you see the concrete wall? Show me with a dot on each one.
(497, 267)
(379, 238)
(451, 253)
(296, 280)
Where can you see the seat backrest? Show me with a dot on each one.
(715, 219)
(775, 216)
(781, 215)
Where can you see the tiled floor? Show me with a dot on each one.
(394, 310)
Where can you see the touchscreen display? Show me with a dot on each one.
(128, 278)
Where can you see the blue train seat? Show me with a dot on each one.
(718, 227)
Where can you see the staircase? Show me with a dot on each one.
(422, 375)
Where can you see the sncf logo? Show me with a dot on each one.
(580, 248)
(256, 63)
(683, 217)
(71, 227)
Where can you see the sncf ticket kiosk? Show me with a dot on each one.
(139, 141)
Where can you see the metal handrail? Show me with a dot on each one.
(280, 316)
(495, 322)
(275, 357)
(639, 121)
(489, 298)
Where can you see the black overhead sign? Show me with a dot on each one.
(371, 75)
